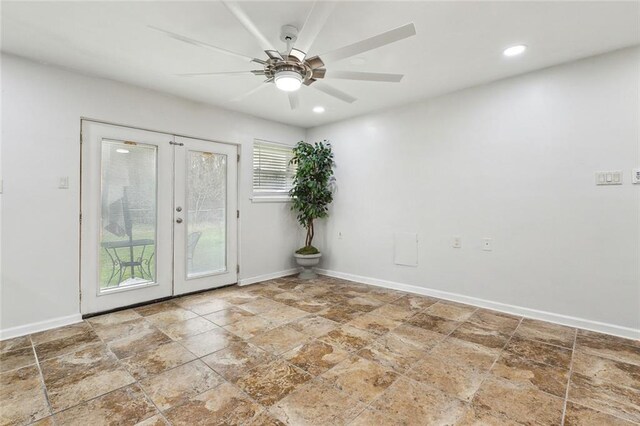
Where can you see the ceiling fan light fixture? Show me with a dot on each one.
(288, 81)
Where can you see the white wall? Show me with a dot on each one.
(41, 114)
(513, 161)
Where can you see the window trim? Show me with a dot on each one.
(267, 197)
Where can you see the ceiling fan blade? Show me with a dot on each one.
(364, 76)
(294, 100)
(248, 24)
(198, 74)
(316, 19)
(202, 44)
(249, 93)
(332, 91)
(374, 42)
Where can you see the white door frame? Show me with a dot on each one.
(88, 255)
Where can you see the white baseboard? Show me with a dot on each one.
(586, 324)
(265, 277)
(35, 327)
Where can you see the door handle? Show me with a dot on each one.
(179, 220)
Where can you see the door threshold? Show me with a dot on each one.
(151, 302)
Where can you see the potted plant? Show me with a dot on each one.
(311, 194)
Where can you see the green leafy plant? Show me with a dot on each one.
(312, 190)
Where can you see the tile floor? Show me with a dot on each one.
(325, 352)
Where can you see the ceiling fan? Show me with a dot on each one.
(293, 67)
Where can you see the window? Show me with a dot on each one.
(272, 173)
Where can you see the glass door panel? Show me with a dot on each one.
(206, 215)
(205, 225)
(128, 214)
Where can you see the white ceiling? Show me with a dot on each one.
(459, 44)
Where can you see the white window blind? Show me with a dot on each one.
(272, 173)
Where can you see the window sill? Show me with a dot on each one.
(270, 199)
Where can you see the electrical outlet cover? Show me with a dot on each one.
(635, 178)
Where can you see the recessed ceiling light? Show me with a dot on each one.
(318, 109)
(516, 50)
(122, 151)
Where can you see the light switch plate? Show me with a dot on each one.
(635, 176)
(63, 182)
(613, 177)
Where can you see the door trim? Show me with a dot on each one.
(172, 134)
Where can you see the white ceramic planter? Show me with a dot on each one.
(307, 261)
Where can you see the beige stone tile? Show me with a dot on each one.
(208, 307)
(607, 397)
(173, 387)
(119, 330)
(15, 343)
(449, 375)
(606, 370)
(223, 405)
(127, 405)
(262, 305)
(135, 343)
(546, 332)
(79, 376)
(340, 313)
(237, 359)
(156, 420)
(190, 327)
(612, 347)
(418, 337)
(267, 291)
(363, 303)
(392, 351)
(433, 323)
(208, 342)
(316, 357)
(578, 415)
(249, 327)
(518, 402)
(314, 326)
(540, 352)
(22, 396)
(370, 417)
(114, 317)
(348, 338)
(239, 298)
(473, 417)
(316, 403)
(493, 320)
(264, 419)
(415, 302)
(544, 377)
(60, 333)
(280, 340)
(451, 311)
(156, 308)
(157, 359)
(47, 421)
(463, 352)
(394, 312)
(408, 402)
(228, 316)
(284, 315)
(269, 383)
(360, 378)
(170, 316)
(16, 358)
(70, 343)
(482, 336)
(374, 324)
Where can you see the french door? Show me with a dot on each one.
(158, 216)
